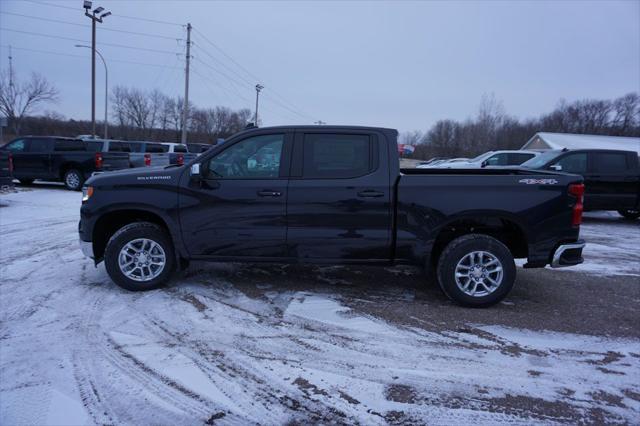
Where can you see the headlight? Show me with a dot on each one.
(87, 192)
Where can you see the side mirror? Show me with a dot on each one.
(556, 167)
(195, 170)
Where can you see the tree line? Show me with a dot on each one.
(134, 114)
(493, 129)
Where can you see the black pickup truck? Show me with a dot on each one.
(611, 177)
(6, 169)
(69, 160)
(331, 195)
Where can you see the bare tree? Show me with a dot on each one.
(17, 100)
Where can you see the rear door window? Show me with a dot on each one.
(336, 155)
(180, 148)
(119, 147)
(498, 160)
(519, 158)
(156, 147)
(68, 145)
(609, 163)
(40, 145)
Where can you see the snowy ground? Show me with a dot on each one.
(238, 344)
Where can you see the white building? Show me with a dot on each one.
(545, 140)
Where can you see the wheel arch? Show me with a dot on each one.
(507, 228)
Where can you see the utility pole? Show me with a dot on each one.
(185, 106)
(94, 18)
(259, 87)
(320, 122)
(10, 68)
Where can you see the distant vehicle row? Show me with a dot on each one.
(73, 161)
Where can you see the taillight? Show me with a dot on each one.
(577, 190)
(147, 159)
(180, 159)
(10, 163)
(98, 160)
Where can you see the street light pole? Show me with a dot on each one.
(259, 87)
(94, 19)
(106, 90)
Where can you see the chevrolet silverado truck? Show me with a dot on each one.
(331, 194)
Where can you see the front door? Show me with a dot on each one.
(37, 161)
(339, 203)
(238, 206)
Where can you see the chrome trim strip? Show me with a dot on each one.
(555, 263)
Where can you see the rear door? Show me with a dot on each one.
(339, 202)
(238, 206)
(38, 160)
(612, 182)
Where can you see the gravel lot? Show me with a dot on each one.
(274, 344)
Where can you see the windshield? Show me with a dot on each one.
(481, 157)
(540, 160)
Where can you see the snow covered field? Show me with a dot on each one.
(229, 344)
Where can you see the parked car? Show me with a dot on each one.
(331, 194)
(147, 154)
(6, 169)
(56, 158)
(611, 177)
(179, 153)
(491, 158)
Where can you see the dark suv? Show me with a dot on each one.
(611, 177)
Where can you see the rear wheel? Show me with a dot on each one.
(629, 213)
(73, 180)
(476, 270)
(140, 256)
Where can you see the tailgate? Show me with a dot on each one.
(115, 161)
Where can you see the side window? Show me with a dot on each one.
(609, 163)
(40, 145)
(255, 157)
(16, 146)
(517, 159)
(336, 156)
(498, 160)
(180, 148)
(68, 145)
(155, 148)
(119, 147)
(94, 146)
(574, 163)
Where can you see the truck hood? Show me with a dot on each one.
(160, 174)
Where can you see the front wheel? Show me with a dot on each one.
(140, 256)
(476, 270)
(629, 213)
(73, 180)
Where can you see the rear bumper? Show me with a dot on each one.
(568, 254)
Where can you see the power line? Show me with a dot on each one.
(88, 26)
(273, 92)
(155, 21)
(231, 79)
(84, 57)
(123, 46)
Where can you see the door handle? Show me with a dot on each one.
(267, 193)
(369, 193)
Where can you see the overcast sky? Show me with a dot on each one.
(394, 64)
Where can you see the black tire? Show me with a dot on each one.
(132, 232)
(456, 251)
(630, 214)
(73, 179)
(26, 181)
